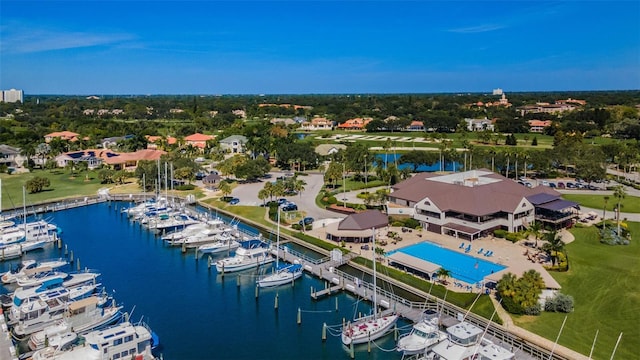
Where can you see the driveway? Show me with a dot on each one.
(248, 195)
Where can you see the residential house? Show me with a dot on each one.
(10, 156)
(354, 124)
(538, 126)
(472, 204)
(62, 135)
(479, 124)
(318, 123)
(284, 121)
(129, 161)
(234, 144)
(329, 149)
(153, 142)
(198, 140)
(93, 157)
(416, 126)
(210, 181)
(108, 143)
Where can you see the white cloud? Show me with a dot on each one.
(29, 40)
(477, 29)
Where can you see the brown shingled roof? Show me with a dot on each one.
(503, 195)
(365, 220)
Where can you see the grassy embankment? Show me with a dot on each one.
(604, 281)
(630, 204)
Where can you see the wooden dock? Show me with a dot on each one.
(7, 350)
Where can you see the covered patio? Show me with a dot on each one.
(461, 231)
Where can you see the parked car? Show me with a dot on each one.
(570, 185)
(306, 221)
(290, 207)
(282, 201)
(552, 185)
(234, 201)
(560, 185)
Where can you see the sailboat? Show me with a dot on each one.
(283, 274)
(371, 327)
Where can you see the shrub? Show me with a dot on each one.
(533, 310)
(397, 223)
(332, 200)
(185, 187)
(412, 223)
(513, 237)
(559, 303)
(296, 226)
(499, 233)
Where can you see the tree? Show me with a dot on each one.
(443, 274)
(553, 246)
(37, 184)
(225, 188)
(333, 173)
(536, 229)
(619, 193)
(604, 211)
(106, 176)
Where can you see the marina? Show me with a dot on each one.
(170, 290)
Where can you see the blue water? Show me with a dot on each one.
(391, 158)
(463, 267)
(197, 313)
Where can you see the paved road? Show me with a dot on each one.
(248, 195)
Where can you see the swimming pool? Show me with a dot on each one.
(463, 267)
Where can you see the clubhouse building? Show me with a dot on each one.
(472, 204)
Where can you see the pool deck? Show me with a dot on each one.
(517, 257)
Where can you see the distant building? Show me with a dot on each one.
(116, 161)
(479, 124)
(546, 108)
(154, 141)
(62, 135)
(10, 156)
(497, 91)
(13, 95)
(198, 140)
(354, 124)
(416, 126)
(318, 123)
(233, 144)
(110, 142)
(538, 126)
(329, 149)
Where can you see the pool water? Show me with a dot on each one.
(463, 267)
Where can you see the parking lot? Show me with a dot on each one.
(305, 201)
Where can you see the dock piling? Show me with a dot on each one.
(71, 257)
(257, 291)
(78, 264)
(276, 303)
(324, 332)
(299, 318)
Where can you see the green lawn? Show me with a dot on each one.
(630, 204)
(605, 284)
(62, 185)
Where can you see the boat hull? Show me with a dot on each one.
(368, 329)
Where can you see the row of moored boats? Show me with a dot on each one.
(54, 314)
(215, 237)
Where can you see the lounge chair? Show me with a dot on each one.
(468, 248)
(461, 245)
(480, 251)
(490, 253)
(487, 253)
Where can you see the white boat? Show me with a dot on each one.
(205, 237)
(192, 230)
(12, 251)
(250, 254)
(10, 236)
(491, 351)
(285, 274)
(30, 278)
(54, 287)
(122, 341)
(79, 278)
(423, 336)
(218, 247)
(463, 342)
(81, 317)
(36, 315)
(171, 222)
(11, 275)
(374, 326)
(57, 336)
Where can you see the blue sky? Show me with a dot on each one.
(273, 47)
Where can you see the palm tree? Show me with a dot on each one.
(536, 230)
(553, 245)
(619, 193)
(443, 274)
(225, 188)
(604, 210)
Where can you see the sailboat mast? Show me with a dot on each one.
(375, 284)
(278, 240)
